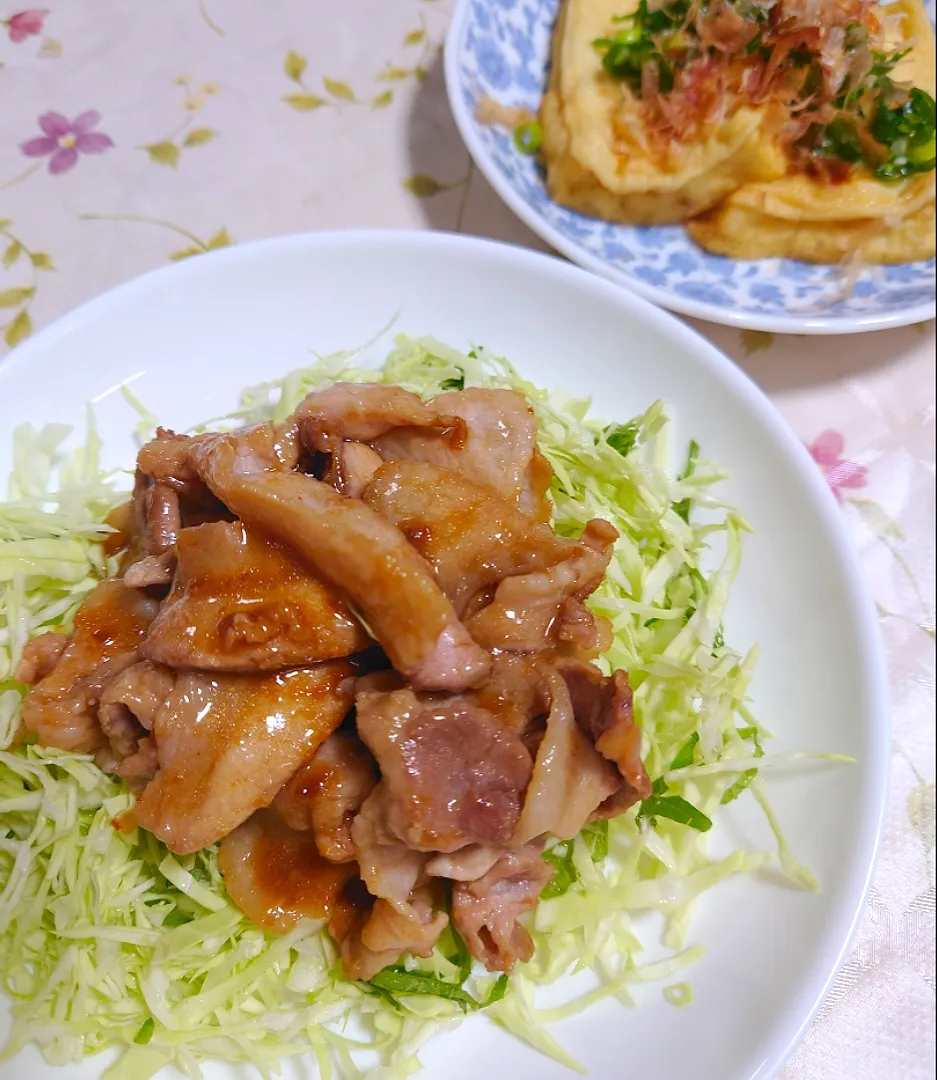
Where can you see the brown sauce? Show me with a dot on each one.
(276, 875)
(121, 519)
(294, 878)
(114, 617)
(125, 821)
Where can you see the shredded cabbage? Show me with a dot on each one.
(107, 940)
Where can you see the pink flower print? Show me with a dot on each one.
(827, 450)
(25, 24)
(65, 139)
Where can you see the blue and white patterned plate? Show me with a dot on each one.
(500, 49)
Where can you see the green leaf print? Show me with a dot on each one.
(163, 153)
(423, 186)
(199, 136)
(294, 66)
(304, 102)
(339, 90)
(20, 328)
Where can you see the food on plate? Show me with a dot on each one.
(792, 128)
(256, 654)
(606, 157)
(351, 711)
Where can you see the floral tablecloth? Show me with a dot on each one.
(135, 133)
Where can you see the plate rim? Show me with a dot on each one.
(797, 1015)
(820, 325)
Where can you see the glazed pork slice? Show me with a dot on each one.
(151, 570)
(360, 553)
(128, 706)
(160, 515)
(546, 610)
(499, 451)
(516, 693)
(61, 708)
(453, 774)
(351, 465)
(486, 911)
(472, 537)
(325, 794)
(228, 743)
(363, 412)
(604, 710)
(405, 915)
(517, 585)
(241, 602)
(168, 496)
(467, 864)
(147, 524)
(276, 875)
(570, 778)
(169, 458)
(40, 655)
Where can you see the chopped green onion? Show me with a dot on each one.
(397, 981)
(145, 1033)
(735, 789)
(596, 840)
(682, 508)
(744, 779)
(565, 874)
(461, 957)
(685, 755)
(679, 994)
(623, 437)
(527, 137)
(676, 808)
(908, 132)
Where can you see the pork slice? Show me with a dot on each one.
(163, 518)
(170, 458)
(453, 774)
(604, 710)
(358, 552)
(499, 450)
(276, 875)
(534, 498)
(128, 706)
(545, 610)
(169, 495)
(516, 693)
(486, 911)
(228, 743)
(141, 689)
(326, 793)
(363, 412)
(570, 778)
(151, 570)
(404, 917)
(471, 536)
(61, 708)
(241, 602)
(141, 766)
(40, 655)
(351, 465)
(467, 864)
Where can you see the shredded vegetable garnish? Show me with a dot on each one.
(109, 940)
(826, 64)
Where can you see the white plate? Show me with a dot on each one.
(501, 49)
(188, 337)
